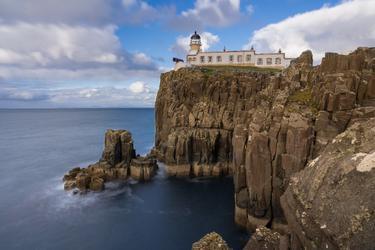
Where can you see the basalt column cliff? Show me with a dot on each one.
(291, 139)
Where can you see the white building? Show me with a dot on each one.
(231, 58)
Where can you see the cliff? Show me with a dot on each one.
(263, 127)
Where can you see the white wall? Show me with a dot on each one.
(239, 58)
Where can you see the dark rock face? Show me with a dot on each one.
(118, 147)
(196, 112)
(330, 204)
(118, 162)
(262, 127)
(211, 241)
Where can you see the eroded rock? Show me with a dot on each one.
(211, 241)
(118, 162)
(331, 203)
(264, 238)
(265, 126)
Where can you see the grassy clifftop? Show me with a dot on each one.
(238, 69)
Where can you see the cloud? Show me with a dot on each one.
(15, 94)
(83, 12)
(48, 48)
(209, 13)
(65, 51)
(80, 97)
(102, 97)
(141, 58)
(139, 87)
(181, 46)
(51, 44)
(136, 12)
(129, 3)
(92, 12)
(339, 28)
(250, 9)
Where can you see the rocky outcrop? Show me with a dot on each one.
(262, 127)
(263, 238)
(331, 203)
(304, 111)
(118, 162)
(143, 168)
(196, 111)
(211, 241)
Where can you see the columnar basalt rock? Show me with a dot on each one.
(118, 162)
(143, 168)
(331, 203)
(118, 147)
(266, 126)
(195, 118)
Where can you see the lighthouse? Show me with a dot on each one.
(232, 58)
(195, 43)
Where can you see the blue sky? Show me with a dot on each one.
(110, 53)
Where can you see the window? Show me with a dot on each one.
(202, 59)
(218, 58)
(269, 61)
(191, 59)
(278, 60)
(260, 61)
(210, 59)
(231, 58)
(239, 59)
(248, 58)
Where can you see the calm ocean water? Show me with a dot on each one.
(38, 146)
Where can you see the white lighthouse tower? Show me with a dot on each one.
(195, 44)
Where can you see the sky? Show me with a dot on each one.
(110, 53)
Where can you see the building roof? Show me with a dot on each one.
(236, 51)
(195, 36)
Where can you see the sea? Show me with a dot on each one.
(38, 146)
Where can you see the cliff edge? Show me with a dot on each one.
(263, 128)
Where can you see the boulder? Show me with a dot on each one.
(211, 241)
(264, 238)
(96, 184)
(83, 181)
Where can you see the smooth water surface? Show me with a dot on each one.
(38, 146)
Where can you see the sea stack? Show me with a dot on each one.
(118, 162)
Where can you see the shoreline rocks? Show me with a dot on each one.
(211, 241)
(118, 162)
(264, 238)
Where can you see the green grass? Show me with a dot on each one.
(211, 69)
(304, 97)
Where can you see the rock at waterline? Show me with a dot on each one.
(211, 241)
(118, 162)
(264, 238)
